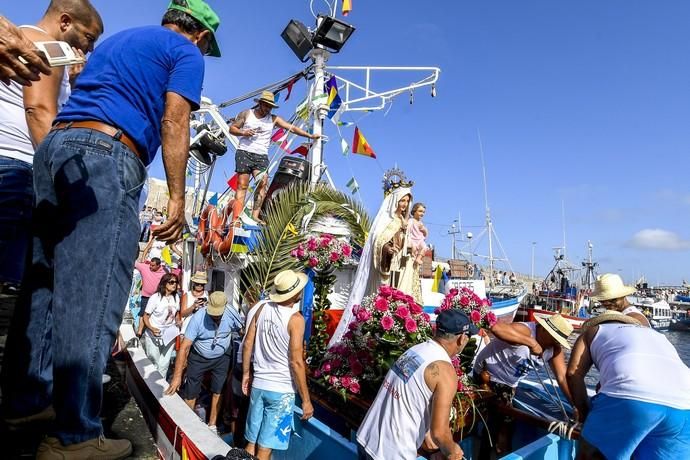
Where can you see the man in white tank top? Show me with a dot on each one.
(254, 128)
(610, 291)
(413, 404)
(642, 410)
(274, 337)
(26, 116)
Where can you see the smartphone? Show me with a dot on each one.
(58, 53)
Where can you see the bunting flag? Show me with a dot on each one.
(303, 150)
(334, 102)
(289, 87)
(285, 145)
(361, 146)
(232, 182)
(279, 135)
(302, 110)
(344, 123)
(344, 146)
(347, 7)
(276, 96)
(213, 201)
(352, 185)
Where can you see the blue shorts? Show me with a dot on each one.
(623, 428)
(269, 421)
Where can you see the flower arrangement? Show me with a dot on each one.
(476, 308)
(323, 252)
(383, 326)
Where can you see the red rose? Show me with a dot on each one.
(381, 304)
(354, 387)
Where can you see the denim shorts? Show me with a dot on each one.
(197, 366)
(624, 428)
(269, 421)
(248, 162)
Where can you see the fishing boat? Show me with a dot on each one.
(657, 311)
(680, 321)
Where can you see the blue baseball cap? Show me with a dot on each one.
(455, 322)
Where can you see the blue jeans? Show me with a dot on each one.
(85, 240)
(16, 200)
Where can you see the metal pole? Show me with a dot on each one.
(320, 57)
(532, 272)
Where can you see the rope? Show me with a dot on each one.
(562, 428)
(279, 86)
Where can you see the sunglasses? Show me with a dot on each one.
(172, 282)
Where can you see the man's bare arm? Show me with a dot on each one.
(297, 365)
(247, 350)
(293, 129)
(14, 45)
(180, 364)
(559, 370)
(236, 127)
(175, 146)
(579, 365)
(442, 378)
(516, 334)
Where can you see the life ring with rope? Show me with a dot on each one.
(216, 223)
(203, 226)
(225, 245)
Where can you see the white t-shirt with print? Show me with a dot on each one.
(162, 310)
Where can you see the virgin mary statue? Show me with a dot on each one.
(385, 259)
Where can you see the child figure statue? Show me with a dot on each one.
(417, 233)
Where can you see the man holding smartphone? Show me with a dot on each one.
(135, 95)
(26, 115)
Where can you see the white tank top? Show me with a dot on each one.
(639, 363)
(190, 301)
(261, 141)
(400, 416)
(15, 141)
(508, 364)
(272, 349)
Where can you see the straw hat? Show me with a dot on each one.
(559, 328)
(286, 285)
(610, 286)
(267, 97)
(608, 316)
(216, 303)
(200, 278)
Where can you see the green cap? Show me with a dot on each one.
(199, 10)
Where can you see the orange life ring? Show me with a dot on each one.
(215, 228)
(225, 245)
(203, 226)
(205, 223)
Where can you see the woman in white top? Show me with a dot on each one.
(194, 299)
(162, 327)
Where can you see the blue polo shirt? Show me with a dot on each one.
(202, 331)
(126, 78)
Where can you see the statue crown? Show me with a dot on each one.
(394, 178)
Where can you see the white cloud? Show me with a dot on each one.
(659, 239)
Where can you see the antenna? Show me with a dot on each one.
(563, 224)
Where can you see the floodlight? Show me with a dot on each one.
(207, 148)
(331, 33)
(298, 38)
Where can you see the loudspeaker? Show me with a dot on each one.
(290, 169)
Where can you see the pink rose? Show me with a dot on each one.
(317, 373)
(381, 304)
(491, 318)
(334, 256)
(461, 387)
(464, 301)
(415, 309)
(402, 312)
(333, 380)
(410, 325)
(346, 381)
(453, 292)
(300, 252)
(363, 315)
(353, 325)
(475, 316)
(347, 250)
(348, 335)
(312, 244)
(326, 367)
(293, 253)
(325, 242)
(313, 262)
(354, 387)
(387, 322)
(385, 291)
(399, 295)
(357, 368)
(426, 317)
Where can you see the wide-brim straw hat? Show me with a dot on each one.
(610, 316)
(216, 303)
(200, 278)
(610, 286)
(558, 327)
(267, 97)
(286, 285)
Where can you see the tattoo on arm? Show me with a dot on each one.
(240, 119)
(433, 370)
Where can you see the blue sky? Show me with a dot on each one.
(583, 103)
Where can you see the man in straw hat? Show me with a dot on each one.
(642, 409)
(517, 349)
(612, 294)
(254, 128)
(207, 346)
(274, 337)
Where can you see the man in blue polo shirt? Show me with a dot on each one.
(134, 96)
(207, 346)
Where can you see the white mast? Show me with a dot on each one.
(320, 57)
(489, 224)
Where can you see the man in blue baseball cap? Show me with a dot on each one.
(135, 95)
(415, 399)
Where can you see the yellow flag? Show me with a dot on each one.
(438, 273)
(347, 7)
(166, 257)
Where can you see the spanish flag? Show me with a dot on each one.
(347, 7)
(361, 146)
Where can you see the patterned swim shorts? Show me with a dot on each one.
(248, 162)
(269, 422)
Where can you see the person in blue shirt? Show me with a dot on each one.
(207, 346)
(135, 95)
